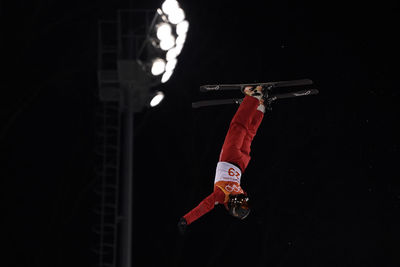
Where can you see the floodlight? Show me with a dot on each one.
(176, 16)
(170, 66)
(166, 76)
(167, 43)
(164, 30)
(157, 98)
(181, 40)
(182, 27)
(169, 6)
(167, 38)
(158, 66)
(172, 53)
(178, 48)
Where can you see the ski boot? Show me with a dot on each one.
(261, 93)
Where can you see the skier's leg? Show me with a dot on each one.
(238, 130)
(252, 130)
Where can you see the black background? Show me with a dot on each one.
(323, 177)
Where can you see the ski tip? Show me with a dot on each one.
(300, 82)
(309, 81)
(313, 91)
(306, 92)
(303, 81)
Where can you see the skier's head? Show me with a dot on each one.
(238, 206)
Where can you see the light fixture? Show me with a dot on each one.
(156, 99)
(167, 43)
(170, 66)
(166, 76)
(176, 16)
(181, 40)
(172, 53)
(167, 38)
(169, 6)
(164, 30)
(158, 66)
(178, 48)
(182, 27)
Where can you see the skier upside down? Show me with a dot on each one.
(233, 160)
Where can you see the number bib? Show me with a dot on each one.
(227, 172)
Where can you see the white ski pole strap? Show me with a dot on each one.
(227, 172)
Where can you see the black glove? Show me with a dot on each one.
(182, 224)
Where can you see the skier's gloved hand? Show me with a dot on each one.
(182, 225)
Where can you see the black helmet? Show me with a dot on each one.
(238, 206)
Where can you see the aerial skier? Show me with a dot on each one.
(233, 160)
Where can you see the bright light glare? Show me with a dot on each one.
(178, 48)
(166, 76)
(180, 40)
(182, 27)
(158, 66)
(164, 31)
(169, 6)
(167, 43)
(176, 16)
(157, 99)
(171, 65)
(172, 53)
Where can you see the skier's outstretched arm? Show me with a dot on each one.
(206, 205)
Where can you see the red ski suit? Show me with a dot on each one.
(236, 152)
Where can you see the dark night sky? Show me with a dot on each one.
(323, 177)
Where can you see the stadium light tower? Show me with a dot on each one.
(142, 55)
(139, 71)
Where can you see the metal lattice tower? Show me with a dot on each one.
(123, 88)
(108, 143)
